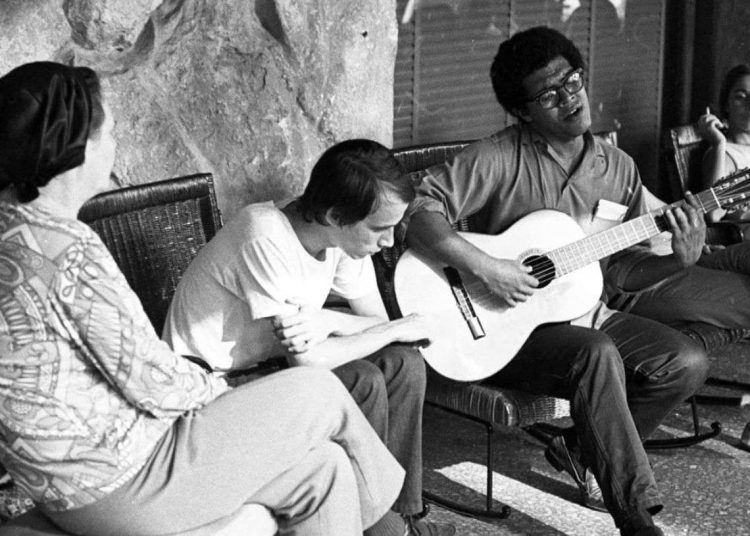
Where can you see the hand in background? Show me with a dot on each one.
(711, 128)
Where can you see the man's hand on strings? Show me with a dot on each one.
(510, 280)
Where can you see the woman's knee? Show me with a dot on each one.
(326, 484)
(305, 381)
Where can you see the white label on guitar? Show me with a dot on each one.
(609, 210)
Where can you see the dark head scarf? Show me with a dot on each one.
(45, 116)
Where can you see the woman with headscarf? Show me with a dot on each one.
(100, 423)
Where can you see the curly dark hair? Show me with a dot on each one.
(351, 179)
(521, 55)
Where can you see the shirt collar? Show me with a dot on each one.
(592, 143)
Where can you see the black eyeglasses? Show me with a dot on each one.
(550, 97)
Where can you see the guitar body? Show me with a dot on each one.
(422, 286)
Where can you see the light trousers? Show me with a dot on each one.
(293, 441)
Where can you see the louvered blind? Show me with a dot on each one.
(443, 91)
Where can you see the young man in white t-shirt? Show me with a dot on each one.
(258, 288)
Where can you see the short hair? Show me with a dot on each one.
(734, 74)
(521, 55)
(351, 179)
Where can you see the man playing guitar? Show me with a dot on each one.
(622, 374)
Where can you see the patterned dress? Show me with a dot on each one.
(87, 389)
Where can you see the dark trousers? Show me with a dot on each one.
(621, 381)
(715, 291)
(389, 388)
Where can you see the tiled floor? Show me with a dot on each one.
(705, 488)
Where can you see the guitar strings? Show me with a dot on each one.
(548, 273)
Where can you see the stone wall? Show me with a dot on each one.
(252, 91)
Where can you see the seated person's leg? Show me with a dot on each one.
(584, 366)
(733, 258)
(663, 367)
(699, 294)
(365, 384)
(238, 446)
(389, 388)
(403, 370)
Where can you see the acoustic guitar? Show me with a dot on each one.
(475, 333)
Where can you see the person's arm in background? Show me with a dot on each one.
(114, 333)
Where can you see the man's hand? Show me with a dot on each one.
(412, 328)
(509, 280)
(688, 231)
(300, 331)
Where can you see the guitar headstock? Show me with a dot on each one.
(733, 191)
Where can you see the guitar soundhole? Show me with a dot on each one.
(542, 268)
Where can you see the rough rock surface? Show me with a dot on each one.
(250, 91)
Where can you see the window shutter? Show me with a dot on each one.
(442, 88)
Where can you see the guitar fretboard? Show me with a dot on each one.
(573, 256)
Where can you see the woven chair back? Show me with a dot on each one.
(684, 160)
(153, 231)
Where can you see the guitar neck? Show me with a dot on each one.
(583, 252)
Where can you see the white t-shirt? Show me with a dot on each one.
(247, 272)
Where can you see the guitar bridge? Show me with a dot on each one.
(463, 301)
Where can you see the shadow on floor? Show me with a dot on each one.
(705, 488)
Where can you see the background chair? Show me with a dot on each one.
(685, 160)
(153, 232)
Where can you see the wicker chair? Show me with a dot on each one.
(153, 231)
